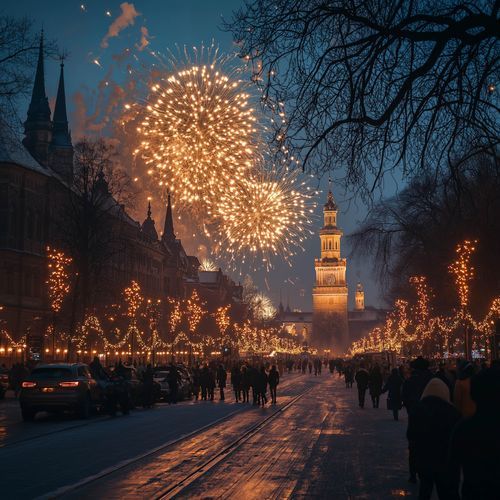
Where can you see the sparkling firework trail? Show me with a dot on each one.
(198, 130)
(265, 215)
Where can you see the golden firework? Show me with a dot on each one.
(265, 215)
(198, 129)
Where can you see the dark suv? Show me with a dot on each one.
(59, 386)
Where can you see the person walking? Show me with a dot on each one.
(375, 385)
(475, 441)
(245, 383)
(147, 384)
(348, 376)
(196, 382)
(362, 377)
(173, 383)
(221, 380)
(262, 386)
(430, 425)
(274, 380)
(462, 392)
(211, 384)
(236, 382)
(413, 388)
(393, 387)
(204, 381)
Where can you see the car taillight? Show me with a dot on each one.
(28, 384)
(68, 384)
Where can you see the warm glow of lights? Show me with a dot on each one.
(58, 277)
(208, 265)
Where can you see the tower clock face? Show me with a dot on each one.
(330, 280)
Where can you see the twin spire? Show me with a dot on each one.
(148, 226)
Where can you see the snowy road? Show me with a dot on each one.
(316, 443)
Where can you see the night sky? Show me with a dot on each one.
(89, 32)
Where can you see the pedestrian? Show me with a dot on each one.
(348, 376)
(462, 391)
(211, 384)
(147, 387)
(393, 387)
(245, 383)
(254, 383)
(236, 382)
(310, 365)
(263, 381)
(430, 425)
(475, 441)
(196, 382)
(331, 366)
(173, 383)
(413, 388)
(362, 378)
(274, 380)
(375, 385)
(204, 381)
(221, 380)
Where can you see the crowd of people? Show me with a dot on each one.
(453, 428)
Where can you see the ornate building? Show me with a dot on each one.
(331, 326)
(330, 329)
(36, 194)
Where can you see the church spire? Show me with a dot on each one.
(168, 228)
(38, 127)
(60, 132)
(148, 226)
(39, 109)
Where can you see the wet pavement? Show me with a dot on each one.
(316, 443)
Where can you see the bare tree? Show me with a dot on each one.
(416, 233)
(93, 220)
(366, 86)
(19, 46)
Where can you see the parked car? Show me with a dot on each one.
(185, 383)
(57, 387)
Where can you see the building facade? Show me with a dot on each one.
(330, 327)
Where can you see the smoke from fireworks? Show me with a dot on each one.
(198, 130)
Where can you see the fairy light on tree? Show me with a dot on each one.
(223, 322)
(195, 311)
(462, 271)
(58, 282)
(134, 300)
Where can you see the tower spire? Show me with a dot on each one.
(148, 226)
(60, 132)
(38, 127)
(168, 228)
(39, 109)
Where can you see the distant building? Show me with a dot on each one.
(331, 326)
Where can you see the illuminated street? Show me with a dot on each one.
(321, 444)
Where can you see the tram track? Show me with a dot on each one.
(94, 480)
(173, 490)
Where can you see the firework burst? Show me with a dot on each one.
(265, 215)
(262, 307)
(198, 129)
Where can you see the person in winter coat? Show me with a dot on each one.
(362, 377)
(462, 392)
(430, 426)
(375, 385)
(262, 384)
(196, 382)
(475, 442)
(221, 380)
(413, 389)
(211, 384)
(393, 388)
(348, 376)
(236, 382)
(245, 383)
(274, 380)
(204, 381)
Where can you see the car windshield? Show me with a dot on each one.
(51, 372)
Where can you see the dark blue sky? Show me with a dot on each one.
(80, 29)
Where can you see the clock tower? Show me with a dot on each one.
(330, 327)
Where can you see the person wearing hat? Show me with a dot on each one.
(461, 394)
(430, 425)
